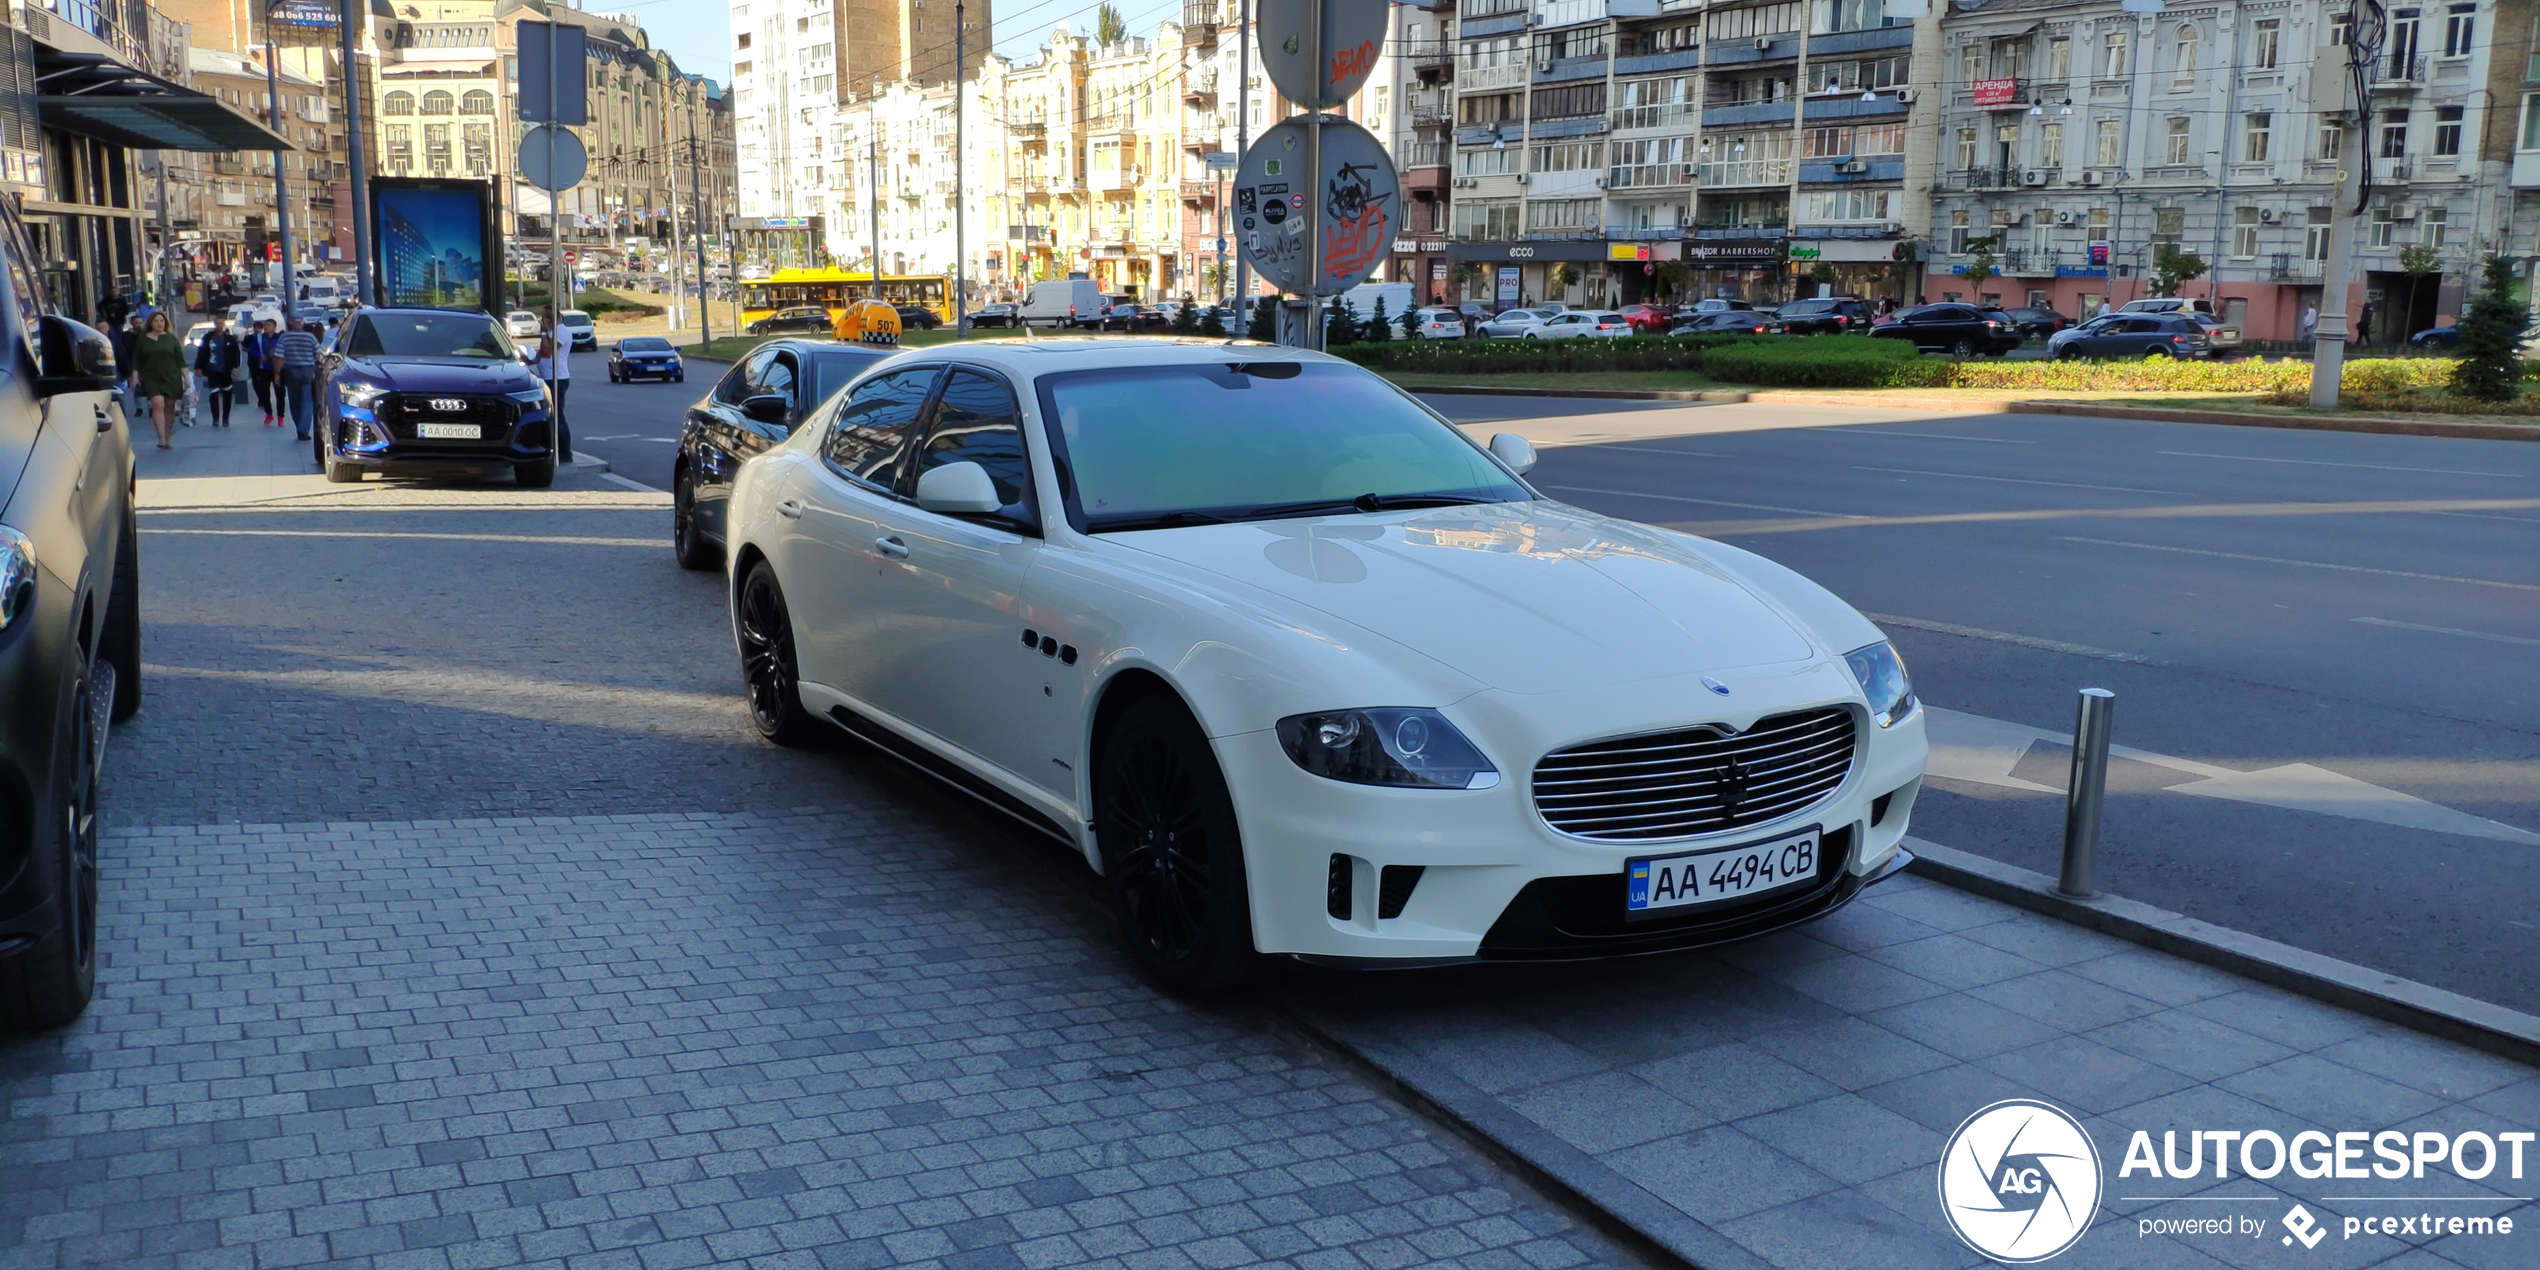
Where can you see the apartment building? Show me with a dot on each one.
(2081, 140)
(223, 205)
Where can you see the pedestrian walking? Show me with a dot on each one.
(125, 336)
(216, 368)
(158, 375)
(2363, 324)
(298, 354)
(261, 344)
(2310, 323)
(555, 365)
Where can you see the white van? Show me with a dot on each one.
(1362, 299)
(1055, 302)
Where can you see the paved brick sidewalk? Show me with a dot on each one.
(845, 1039)
(1784, 1102)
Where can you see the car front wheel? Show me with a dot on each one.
(1964, 348)
(1172, 858)
(769, 669)
(47, 984)
(2156, 353)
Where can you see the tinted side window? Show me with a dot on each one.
(734, 386)
(777, 377)
(873, 427)
(976, 422)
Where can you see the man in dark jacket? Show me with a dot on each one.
(216, 361)
(262, 360)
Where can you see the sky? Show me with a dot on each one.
(698, 33)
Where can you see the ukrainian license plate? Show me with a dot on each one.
(1721, 874)
(450, 432)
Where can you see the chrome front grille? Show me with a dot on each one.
(1696, 780)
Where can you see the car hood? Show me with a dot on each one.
(440, 374)
(1525, 597)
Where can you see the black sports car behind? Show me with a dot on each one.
(803, 318)
(917, 317)
(757, 404)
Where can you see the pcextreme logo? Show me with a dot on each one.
(2019, 1181)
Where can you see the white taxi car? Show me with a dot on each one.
(1303, 670)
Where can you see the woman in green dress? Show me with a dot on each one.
(158, 373)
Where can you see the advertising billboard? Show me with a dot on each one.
(438, 243)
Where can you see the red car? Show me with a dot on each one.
(1647, 318)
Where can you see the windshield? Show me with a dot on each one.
(645, 344)
(830, 371)
(431, 335)
(576, 317)
(1169, 445)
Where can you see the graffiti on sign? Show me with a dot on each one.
(1357, 227)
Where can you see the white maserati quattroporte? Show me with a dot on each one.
(1302, 670)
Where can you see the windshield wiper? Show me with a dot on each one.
(1160, 520)
(1396, 502)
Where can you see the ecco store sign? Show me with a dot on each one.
(2021, 1182)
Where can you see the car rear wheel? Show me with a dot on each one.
(686, 543)
(2156, 353)
(769, 670)
(1964, 347)
(48, 983)
(1172, 858)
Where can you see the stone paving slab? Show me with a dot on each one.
(810, 1041)
(1784, 1102)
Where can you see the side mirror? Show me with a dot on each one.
(1514, 451)
(766, 407)
(73, 357)
(958, 489)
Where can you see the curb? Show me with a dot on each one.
(583, 467)
(1618, 394)
(2420, 1007)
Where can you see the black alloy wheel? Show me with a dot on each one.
(686, 544)
(1964, 347)
(1172, 857)
(2155, 353)
(769, 669)
(49, 984)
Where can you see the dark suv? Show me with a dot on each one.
(2137, 335)
(808, 319)
(70, 635)
(429, 391)
(1951, 328)
(1826, 315)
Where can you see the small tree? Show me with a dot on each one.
(1568, 275)
(1409, 322)
(1212, 326)
(2172, 269)
(2491, 339)
(1109, 27)
(1338, 326)
(1462, 275)
(1186, 318)
(1676, 274)
(1980, 261)
(1378, 329)
(1265, 319)
(1823, 274)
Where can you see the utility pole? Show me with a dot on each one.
(696, 194)
(678, 296)
(358, 179)
(873, 170)
(167, 245)
(2328, 347)
(281, 180)
(1243, 138)
(961, 201)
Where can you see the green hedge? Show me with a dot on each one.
(1522, 357)
(1830, 361)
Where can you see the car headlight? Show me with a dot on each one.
(1414, 748)
(529, 396)
(17, 575)
(360, 394)
(1883, 680)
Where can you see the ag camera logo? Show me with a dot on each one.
(2019, 1181)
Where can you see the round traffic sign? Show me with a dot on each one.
(1353, 34)
(1357, 202)
(570, 160)
(571, 256)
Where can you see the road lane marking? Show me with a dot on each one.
(1652, 449)
(2161, 511)
(561, 540)
(2014, 480)
(1854, 430)
(1707, 502)
(1982, 751)
(2006, 637)
(2446, 630)
(615, 479)
(2311, 564)
(2373, 467)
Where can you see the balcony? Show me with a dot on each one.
(1669, 114)
(1199, 191)
(1429, 181)
(2401, 74)
(2284, 266)
(1431, 117)
(1747, 173)
(1644, 176)
(1988, 178)
(1116, 124)
(2393, 171)
(1200, 19)
(1494, 8)
(229, 167)
(1431, 59)
(1644, 233)
(1482, 79)
(1115, 178)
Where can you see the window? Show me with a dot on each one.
(2460, 25)
(2384, 226)
(2265, 35)
(2341, 31)
(1485, 222)
(2006, 146)
(2112, 54)
(2007, 58)
(1740, 24)
(2169, 223)
(2099, 224)
(1888, 138)
(2394, 134)
(438, 102)
(2059, 59)
(477, 102)
(2401, 45)
(2332, 142)
(2257, 133)
(1971, 63)
(2315, 225)
(1958, 227)
(1844, 205)
(2050, 147)
(2244, 232)
(2183, 61)
(2432, 225)
(2531, 122)
(1827, 143)
(1967, 148)
(2447, 129)
(1570, 101)
(976, 422)
(2108, 150)
(1478, 108)
(872, 428)
(2041, 231)
(1564, 213)
(1571, 156)
(2175, 144)
(1850, 15)
(396, 103)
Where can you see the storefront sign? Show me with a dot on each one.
(2081, 271)
(1508, 287)
(1627, 251)
(2099, 253)
(1733, 250)
(1805, 253)
(1997, 92)
(1560, 249)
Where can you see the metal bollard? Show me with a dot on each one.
(2087, 790)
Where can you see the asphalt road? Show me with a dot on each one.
(2312, 628)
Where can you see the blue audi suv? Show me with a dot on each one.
(425, 392)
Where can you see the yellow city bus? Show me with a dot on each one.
(833, 288)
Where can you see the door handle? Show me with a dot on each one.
(790, 510)
(891, 548)
(105, 422)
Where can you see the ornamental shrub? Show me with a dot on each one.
(2491, 366)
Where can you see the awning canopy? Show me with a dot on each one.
(89, 94)
(437, 66)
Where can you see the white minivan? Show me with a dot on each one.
(1061, 301)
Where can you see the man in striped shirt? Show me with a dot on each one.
(298, 349)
